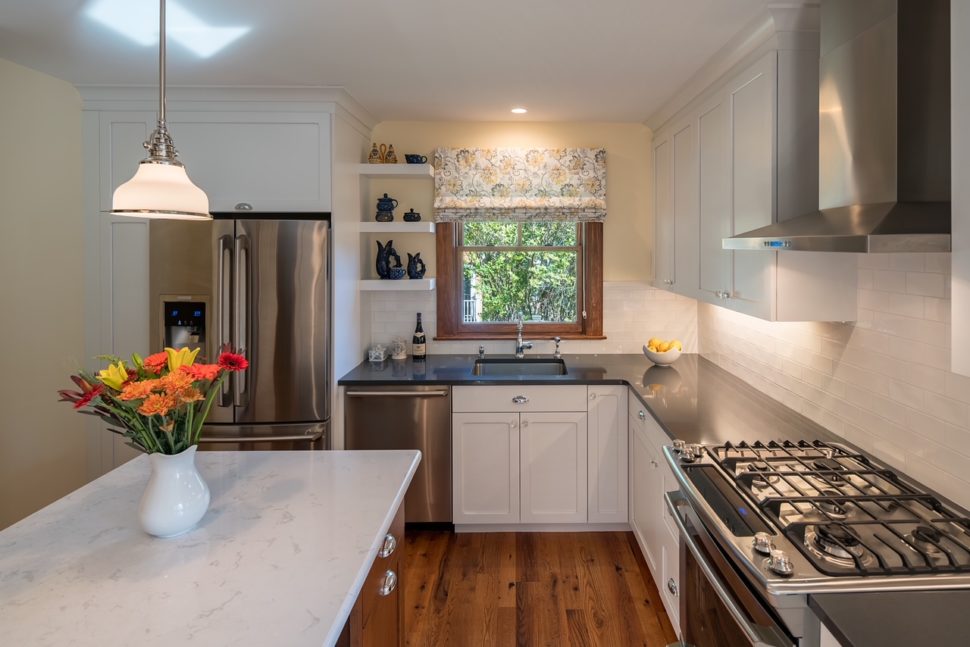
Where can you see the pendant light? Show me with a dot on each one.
(160, 187)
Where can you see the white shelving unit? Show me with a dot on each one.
(396, 227)
(403, 285)
(396, 171)
(369, 226)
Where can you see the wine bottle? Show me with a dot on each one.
(418, 344)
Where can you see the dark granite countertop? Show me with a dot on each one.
(885, 619)
(697, 401)
(693, 400)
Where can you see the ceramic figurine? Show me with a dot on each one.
(390, 157)
(416, 267)
(385, 253)
(412, 216)
(385, 209)
(375, 155)
(383, 152)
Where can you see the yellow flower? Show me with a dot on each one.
(114, 376)
(180, 357)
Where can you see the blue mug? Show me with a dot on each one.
(414, 158)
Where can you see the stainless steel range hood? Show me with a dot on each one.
(884, 134)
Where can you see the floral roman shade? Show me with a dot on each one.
(520, 184)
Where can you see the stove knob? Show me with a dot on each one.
(687, 454)
(762, 543)
(679, 446)
(780, 564)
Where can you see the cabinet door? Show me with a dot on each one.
(753, 103)
(485, 467)
(553, 462)
(685, 194)
(714, 150)
(664, 274)
(608, 454)
(270, 160)
(670, 581)
(644, 485)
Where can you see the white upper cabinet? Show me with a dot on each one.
(270, 161)
(747, 157)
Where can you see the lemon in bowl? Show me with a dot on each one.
(662, 352)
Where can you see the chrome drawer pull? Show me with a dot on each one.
(672, 586)
(389, 546)
(520, 399)
(642, 415)
(389, 584)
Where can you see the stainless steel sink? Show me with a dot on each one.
(519, 367)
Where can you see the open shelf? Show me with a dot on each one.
(396, 171)
(403, 285)
(397, 227)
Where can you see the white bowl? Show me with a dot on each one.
(662, 359)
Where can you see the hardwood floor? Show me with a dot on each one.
(530, 589)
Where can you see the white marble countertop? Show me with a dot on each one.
(279, 558)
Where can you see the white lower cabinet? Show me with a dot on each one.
(650, 479)
(552, 453)
(538, 454)
(486, 467)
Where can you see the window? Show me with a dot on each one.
(491, 272)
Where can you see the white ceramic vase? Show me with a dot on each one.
(176, 497)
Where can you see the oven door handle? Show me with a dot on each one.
(756, 634)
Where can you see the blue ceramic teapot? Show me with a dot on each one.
(386, 203)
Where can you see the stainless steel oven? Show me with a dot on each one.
(718, 608)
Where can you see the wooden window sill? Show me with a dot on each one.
(528, 336)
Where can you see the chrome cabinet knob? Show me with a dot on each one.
(780, 564)
(762, 543)
(243, 206)
(672, 586)
(388, 584)
(592, 395)
(642, 415)
(389, 545)
(520, 399)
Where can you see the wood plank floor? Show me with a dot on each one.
(530, 589)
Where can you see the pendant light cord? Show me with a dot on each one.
(161, 62)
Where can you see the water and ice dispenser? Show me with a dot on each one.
(184, 323)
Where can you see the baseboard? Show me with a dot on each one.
(541, 527)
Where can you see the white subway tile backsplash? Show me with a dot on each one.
(882, 383)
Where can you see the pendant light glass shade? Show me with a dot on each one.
(160, 187)
(161, 191)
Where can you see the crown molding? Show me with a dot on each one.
(226, 98)
(783, 25)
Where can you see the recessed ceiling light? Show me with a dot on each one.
(519, 110)
(136, 21)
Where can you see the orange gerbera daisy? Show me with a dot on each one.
(176, 382)
(202, 371)
(138, 390)
(157, 404)
(156, 363)
(190, 395)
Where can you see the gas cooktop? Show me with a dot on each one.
(835, 519)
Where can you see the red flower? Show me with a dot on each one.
(202, 371)
(156, 363)
(233, 362)
(86, 398)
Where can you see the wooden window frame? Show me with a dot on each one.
(449, 292)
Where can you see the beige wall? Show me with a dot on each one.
(42, 442)
(628, 234)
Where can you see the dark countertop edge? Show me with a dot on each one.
(819, 610)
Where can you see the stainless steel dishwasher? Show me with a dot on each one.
(411, 417)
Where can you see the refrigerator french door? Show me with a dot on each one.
(261, 285)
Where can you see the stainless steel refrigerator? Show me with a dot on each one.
(261, 284)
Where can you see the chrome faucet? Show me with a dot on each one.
(520, 346)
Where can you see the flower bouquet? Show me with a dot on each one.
(159, 405)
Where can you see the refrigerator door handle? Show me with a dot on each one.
(224, 252)
(240, 382)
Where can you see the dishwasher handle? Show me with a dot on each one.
(397, 394)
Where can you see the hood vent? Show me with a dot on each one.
(884, 134)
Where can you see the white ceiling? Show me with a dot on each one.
(566, 60)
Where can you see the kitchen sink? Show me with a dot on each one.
(528, 366)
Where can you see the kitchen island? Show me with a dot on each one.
(280, 557)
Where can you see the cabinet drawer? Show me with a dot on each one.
(528, 397)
